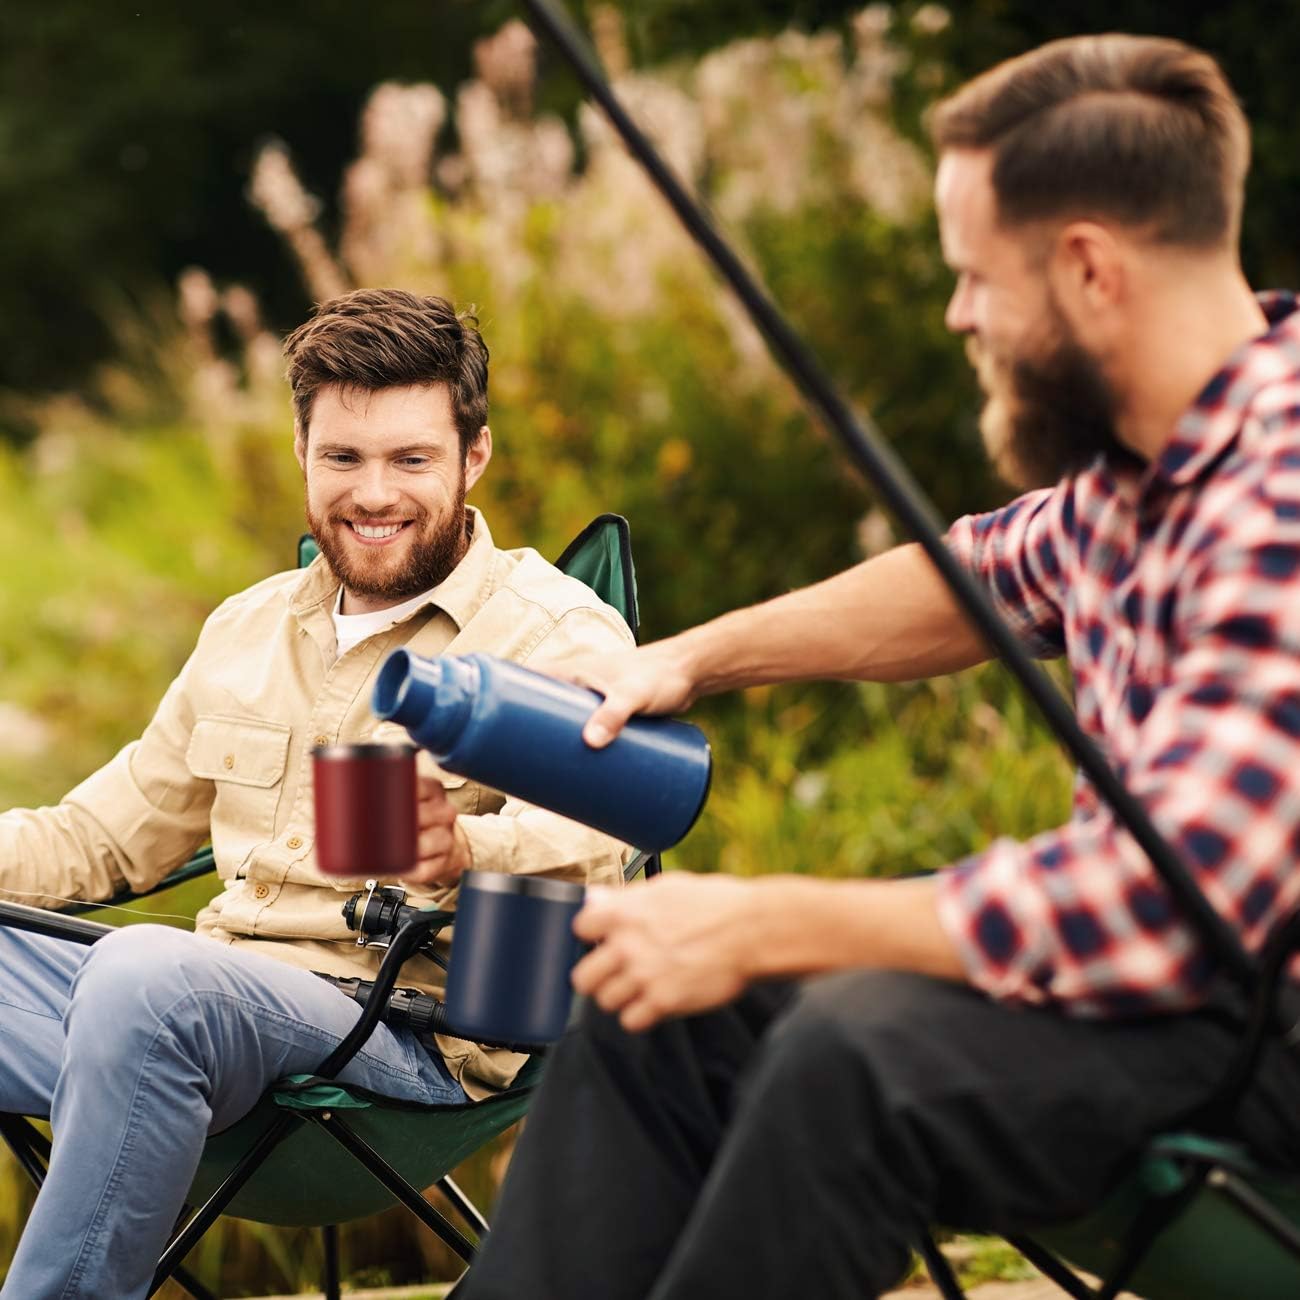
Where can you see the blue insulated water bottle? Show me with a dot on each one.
(521, 733)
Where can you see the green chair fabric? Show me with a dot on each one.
(307, 550)
(1211, 1250)
(309, 1179)
(601, 557)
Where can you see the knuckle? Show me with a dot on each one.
(607, 998)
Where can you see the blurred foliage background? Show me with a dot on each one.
(178, 185)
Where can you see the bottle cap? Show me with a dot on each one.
(431, 698)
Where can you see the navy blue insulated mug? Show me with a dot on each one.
(508, 979)
(520, 732)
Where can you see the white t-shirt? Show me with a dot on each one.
(349, 629)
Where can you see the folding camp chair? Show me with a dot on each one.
(1198, 1218)
(290, 1161)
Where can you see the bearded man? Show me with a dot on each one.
(138, 1047)
(989, 1047)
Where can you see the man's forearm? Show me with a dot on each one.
(890, 618)
(806, 926)
(523, 840)
(684, 943)
(103, 836)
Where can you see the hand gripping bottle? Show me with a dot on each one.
(520, 732)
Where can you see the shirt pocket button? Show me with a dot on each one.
(228, 762)
(293, 842)
(261, 891)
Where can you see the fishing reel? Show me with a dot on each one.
(379, 912)
(406, 1007)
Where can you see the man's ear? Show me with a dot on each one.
(1088, 272)
(476, 459)
(300, 446)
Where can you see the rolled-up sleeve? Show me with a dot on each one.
(128, 824)
(1015, 553)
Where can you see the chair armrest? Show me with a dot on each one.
(641, 861)
(39, 920)
(199, 865)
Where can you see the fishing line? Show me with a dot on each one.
(88, 904)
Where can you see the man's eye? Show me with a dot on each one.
(414, 462)
(339, 458)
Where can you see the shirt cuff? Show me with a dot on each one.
(536, 843)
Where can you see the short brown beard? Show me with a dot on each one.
(436, 551)
(1046, 415)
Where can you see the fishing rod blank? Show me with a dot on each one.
(882, 468)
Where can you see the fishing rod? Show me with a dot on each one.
(875, 459)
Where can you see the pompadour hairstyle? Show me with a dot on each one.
(1142, 130)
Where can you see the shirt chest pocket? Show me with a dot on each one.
(245, 758)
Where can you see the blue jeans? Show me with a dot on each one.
(136, 1049)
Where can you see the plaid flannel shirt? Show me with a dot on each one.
(1174, 591)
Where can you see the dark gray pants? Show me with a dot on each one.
(798, 1142)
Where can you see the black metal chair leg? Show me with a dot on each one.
(391, 1179)
(29, 1146)
(462, 1204)
(1051, 1267)
(22, 1127)
(940, 1271)
(330, 1283)
(1249, 1202)
(207, 1214)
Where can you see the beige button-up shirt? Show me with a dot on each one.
(228, 755)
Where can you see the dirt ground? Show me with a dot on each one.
(1036, 1289)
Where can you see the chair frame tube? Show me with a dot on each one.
(463, 1206)
(331, 1282)
(876, 460)
(367, 1156)
(1250, 1203)
(1053, 1269)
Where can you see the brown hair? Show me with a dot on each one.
(386, 338)
(1140, 129)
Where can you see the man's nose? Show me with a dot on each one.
(376, 490)
(958, 316)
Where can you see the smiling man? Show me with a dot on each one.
(988, 1047)
(138, 1047)
(385, 533)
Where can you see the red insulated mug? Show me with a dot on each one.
(366, 817)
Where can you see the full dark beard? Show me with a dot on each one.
(436, 550)
(1046, 416)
